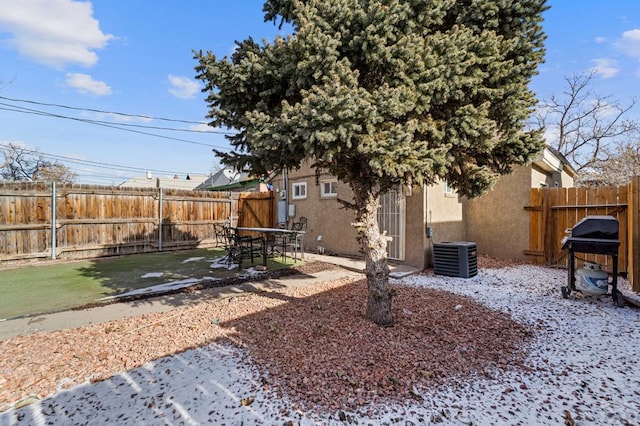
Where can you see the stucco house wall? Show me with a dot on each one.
(325, 216)
(435, 208)
(497, 221)
(444, 213)
(423, 206)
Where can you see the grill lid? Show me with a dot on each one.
(596, 227)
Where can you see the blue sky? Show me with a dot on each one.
(134, 57)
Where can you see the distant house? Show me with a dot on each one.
(416, 217)
(187, 182)
(231, 180)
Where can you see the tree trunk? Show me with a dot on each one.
(377, 269)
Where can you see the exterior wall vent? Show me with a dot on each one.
(455, 259)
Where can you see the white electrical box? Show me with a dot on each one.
(282, 211)
(292, 210)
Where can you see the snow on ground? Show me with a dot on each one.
(585, 358)
(153, 275)
(584, 368)
(164, 287)
(160, 288)
(192, 259)
(221, 262)
(176, 285)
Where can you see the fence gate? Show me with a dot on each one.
(256, 210)
(391, 219)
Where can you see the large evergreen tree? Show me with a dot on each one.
(383, 93)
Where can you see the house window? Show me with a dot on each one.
(299, 190)
(448, 190)
(329, 188)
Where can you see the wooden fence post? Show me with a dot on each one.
(160, 219)
(547, 227)
(54, 219)
(634, 233)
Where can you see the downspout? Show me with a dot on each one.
(428, 258)
(285, 178)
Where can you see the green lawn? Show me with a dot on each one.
(50, 287)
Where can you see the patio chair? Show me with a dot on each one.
(295, 240)
(220, 234)
(242, 247)
(276, 243)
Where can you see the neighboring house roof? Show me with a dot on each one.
(552, 160)
(237, 185)
(228, 179)
(189, 182)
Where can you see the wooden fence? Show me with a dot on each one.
(555, 210)
(39, 220)
(633, 232)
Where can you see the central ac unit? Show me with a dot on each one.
(455, 259)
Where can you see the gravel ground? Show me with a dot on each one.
(500, 348)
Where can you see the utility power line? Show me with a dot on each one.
(13, 108)
(93, 163)
(118, 126)
(79, 166)
(143, 116)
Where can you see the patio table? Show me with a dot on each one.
(281, 232)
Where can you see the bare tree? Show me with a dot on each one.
(22, 164)
(620, 164)
(54, 172)
(18, 163)
(583, 125)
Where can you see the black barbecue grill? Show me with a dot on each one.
(598, 235)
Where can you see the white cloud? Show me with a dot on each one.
(600, 40)
(119, 118)
(84, 83)
(630, 43)
(183, 87)
(53, 32)
(603, 108)
(203, 127)
(551, 135)
(605, 68)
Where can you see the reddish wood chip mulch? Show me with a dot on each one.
(322, 351)
(312, 344)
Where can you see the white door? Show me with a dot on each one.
(391, 219)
